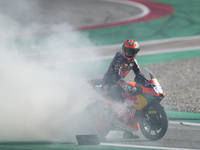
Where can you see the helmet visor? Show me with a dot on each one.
(130, 52)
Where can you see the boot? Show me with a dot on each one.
(130, 135)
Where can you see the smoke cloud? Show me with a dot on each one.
(42, 89)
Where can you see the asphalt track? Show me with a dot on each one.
(178, 135)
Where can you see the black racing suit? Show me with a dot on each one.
(118, 69)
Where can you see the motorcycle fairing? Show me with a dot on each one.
(149, 91)
(137, 101)
(153, 81)
(125, 121)
(150, 94)
(142, 101)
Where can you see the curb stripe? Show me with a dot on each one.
(185, 123)
(151, 10)
(156, 10)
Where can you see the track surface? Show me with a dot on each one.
(53, 12)
(177, 136)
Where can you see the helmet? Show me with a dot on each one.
(130, 49)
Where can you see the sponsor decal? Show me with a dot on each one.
(149, 93)
(130, 112)
(152, 112)
(126, 120)
(126, 108)
(132, 100)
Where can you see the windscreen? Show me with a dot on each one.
(147, 73)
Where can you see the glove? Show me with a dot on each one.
(130, 89)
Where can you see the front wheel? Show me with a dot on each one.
(154, 126)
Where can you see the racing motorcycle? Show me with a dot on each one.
(139, 111)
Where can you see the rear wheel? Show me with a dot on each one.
(154, 126)
(92, 114)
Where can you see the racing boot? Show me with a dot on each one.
(130, 135)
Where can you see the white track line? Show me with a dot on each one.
(184, 123)
(145, 9)
(170, 50)
(147, 147)
(156, 41)
(153, 52)
(171, 40)
(140, 53)
(155, 147)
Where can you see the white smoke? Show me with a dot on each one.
(41, 90)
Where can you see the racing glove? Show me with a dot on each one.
(127, 87)
(130, 89)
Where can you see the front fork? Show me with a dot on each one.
(153, 116)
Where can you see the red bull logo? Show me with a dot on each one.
(131, 100)
(130, 112)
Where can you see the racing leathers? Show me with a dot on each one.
(114, 85)
(118, 69)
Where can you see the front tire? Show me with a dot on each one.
(154, 127)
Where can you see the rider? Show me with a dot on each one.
(120, 66)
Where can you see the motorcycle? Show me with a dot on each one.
(139, 111)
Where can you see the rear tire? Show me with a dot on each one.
(154, 129)
(92, 114)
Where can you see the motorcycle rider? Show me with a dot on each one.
(122, 63)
